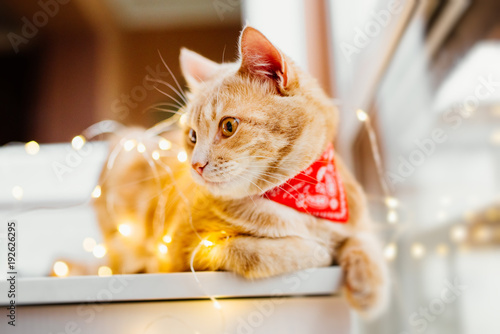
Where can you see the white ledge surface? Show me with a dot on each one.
(170, 286)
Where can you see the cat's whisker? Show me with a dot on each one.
(286, 169)
(276, 174)
(280, 187)
(244, 178)
(165, 104)
(168, 95)
(248, 194)
(162, 82)
(165, 110)
(223, 53)
(171, 74)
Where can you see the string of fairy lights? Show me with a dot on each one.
(126, 228)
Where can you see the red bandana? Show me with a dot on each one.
(318, 190)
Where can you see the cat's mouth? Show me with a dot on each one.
(210, 182)
(214, 183)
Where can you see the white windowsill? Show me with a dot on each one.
(171, 286)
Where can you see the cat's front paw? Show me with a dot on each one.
(366, 281)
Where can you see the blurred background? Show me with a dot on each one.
(425, 75)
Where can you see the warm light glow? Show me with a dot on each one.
(458, 233)
(469, 216)
(163, 249)
(32, 147)
(391, 202)
(392, 217)
(164, 144)
(167, 239)
(156, 155)
(482, 234)
(183, 120)
(362, 116)
(125, 229)
(104, 271)
(216, 304)
(223, 232)
(96, 193)
(141, 148)
(78, 142)
(18, 193)
(417, 250)
(129, 145)
(495, 137)
(182, 156)
(61, 269)
(89, 244)
(99, 251)
(207, 243)
(390, 251)
(442, 215)
(442, 250)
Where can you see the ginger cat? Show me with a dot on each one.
(250, 126)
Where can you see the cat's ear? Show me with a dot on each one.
(261, 59)
(196, 68)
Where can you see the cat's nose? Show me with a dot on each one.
(199, 166)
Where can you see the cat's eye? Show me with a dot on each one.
(229, 126)
(192, 136)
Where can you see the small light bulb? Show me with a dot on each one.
(141, 148)
(182, 156)
(96, 193)
(99, 251)
(216, 304)
(164, 144)
(17, 193)
(78, 142)
(156, 155)
(89, 244)
(391, 202)
(417, 250)
(458, 233)
(207, 243)
(392, 217)
(442, 250)
(61, 269)
(390, 251)
(104, 271)
(163, 249)
(32, 147)
(129, 145)
(167, 239)
(125, 229)
(183, 119)
(362, 116)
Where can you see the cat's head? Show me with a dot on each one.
(253, 124)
